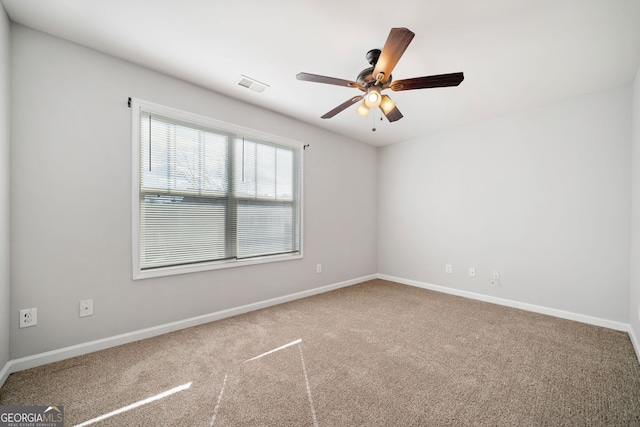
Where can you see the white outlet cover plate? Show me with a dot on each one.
(86, 308)
(28, 317)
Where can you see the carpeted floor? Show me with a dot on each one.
(373, 354)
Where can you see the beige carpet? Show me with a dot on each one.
(373, 354)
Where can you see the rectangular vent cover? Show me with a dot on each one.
(252, 84)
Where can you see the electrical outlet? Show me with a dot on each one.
(86, 308)
(28, 317)
(448, 269)
(472, 272)
(319, 268)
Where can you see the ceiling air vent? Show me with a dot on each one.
(252, 84)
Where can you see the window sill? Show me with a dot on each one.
(216, 265)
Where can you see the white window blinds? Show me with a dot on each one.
(210, 196)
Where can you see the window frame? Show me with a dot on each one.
(200, 121)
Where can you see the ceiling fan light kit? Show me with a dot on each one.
(387, 104)
(372, 81)
(373, 98)
(363, 110)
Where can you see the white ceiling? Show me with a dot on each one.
(515, 54)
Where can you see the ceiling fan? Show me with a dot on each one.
(372, 81)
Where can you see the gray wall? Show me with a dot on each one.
(4, 188)
(543, 196)
(71, 200)
(634, 291)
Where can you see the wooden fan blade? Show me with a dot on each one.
(316, 78)
(393, 115)
(441, 80)
(396, 44)
(342, 106)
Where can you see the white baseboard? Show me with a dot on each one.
(619, 326)
(4, 372)
(101, 344)
(634, 341)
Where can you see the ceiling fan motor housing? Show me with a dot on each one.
(366, 76)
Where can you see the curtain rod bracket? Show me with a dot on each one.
(129, 102)
(304, 147)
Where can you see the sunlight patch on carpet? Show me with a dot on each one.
(241, 396)
(136, 404)
(298, 341)
(217, 408)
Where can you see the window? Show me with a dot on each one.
(211, 195)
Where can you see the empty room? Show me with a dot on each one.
(292, 213)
